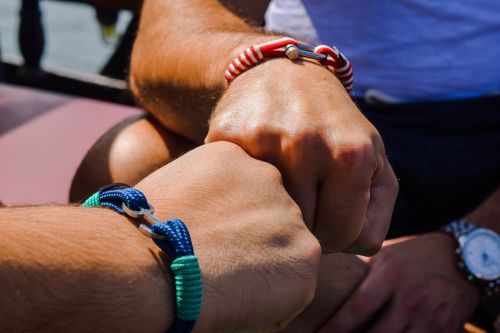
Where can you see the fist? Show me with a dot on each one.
(299, 118)
(258, 260)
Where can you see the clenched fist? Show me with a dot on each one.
(258, 260)
(298, 117)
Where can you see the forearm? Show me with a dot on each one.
(488, 213)
(179, 59)
(79, 269)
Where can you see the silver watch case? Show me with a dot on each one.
(490, 285)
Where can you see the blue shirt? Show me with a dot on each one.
(407, 50)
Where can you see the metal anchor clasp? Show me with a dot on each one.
(147, 214)
(293, 52)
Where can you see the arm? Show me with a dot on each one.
(82, 269)
(296, 116)
(179, 58)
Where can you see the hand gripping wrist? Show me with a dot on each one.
(172, 237)
(288, 47)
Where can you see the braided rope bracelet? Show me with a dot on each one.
(328, 56)
(172, 237)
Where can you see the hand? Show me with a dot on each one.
(258, 260)
(338, 276)
(412, 286)
(299, 118)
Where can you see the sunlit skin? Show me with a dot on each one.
(429, 295)
(332, 159)
(73, 269)
(189, 97)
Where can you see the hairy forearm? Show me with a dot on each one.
(179, 58)
(488, 213)
(79, 269)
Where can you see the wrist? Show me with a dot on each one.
(241, 43)
(142, 275)
(278, 76)
(281, 77)
(286, 47)
(447, 245)
(142, 263)
(93, 260)
(477, 250)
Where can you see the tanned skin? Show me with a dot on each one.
(296, 116)
(74, 269)
(171, 73)
(429, 295)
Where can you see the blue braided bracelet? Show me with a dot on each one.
(172, 237)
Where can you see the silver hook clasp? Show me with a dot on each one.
(148, 232)
(303, 51)
(145, 213)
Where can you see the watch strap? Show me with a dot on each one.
(459, 228)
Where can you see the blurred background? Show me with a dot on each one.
(63, 84)
(73, 35)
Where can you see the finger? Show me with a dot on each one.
(338, 276)
(364, 303)
(342, 206)
(393, 320)
(416, 311)
(267, 143)
(435, 318)
(301, 164)
(383, 193)
(304, 192)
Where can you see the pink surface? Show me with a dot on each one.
(39, 158)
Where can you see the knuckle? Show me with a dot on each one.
(393, 183)
(262, 135)
(359, 153)
(219, 128)
(304, 140)
(296, 214)
(225, 149)
(271, 174)
(369, 245)
(369, 250)
(311, 254)
(230, 158)
(415, 300)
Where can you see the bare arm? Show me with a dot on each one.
(72, 269)
(83, 269)
(294, 115)
(179, 58)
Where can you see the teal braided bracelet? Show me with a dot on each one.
(172, 237)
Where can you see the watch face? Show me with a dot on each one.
(481, 253)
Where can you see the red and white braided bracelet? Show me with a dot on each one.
(330, 57)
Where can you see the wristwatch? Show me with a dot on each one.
(478, 253)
